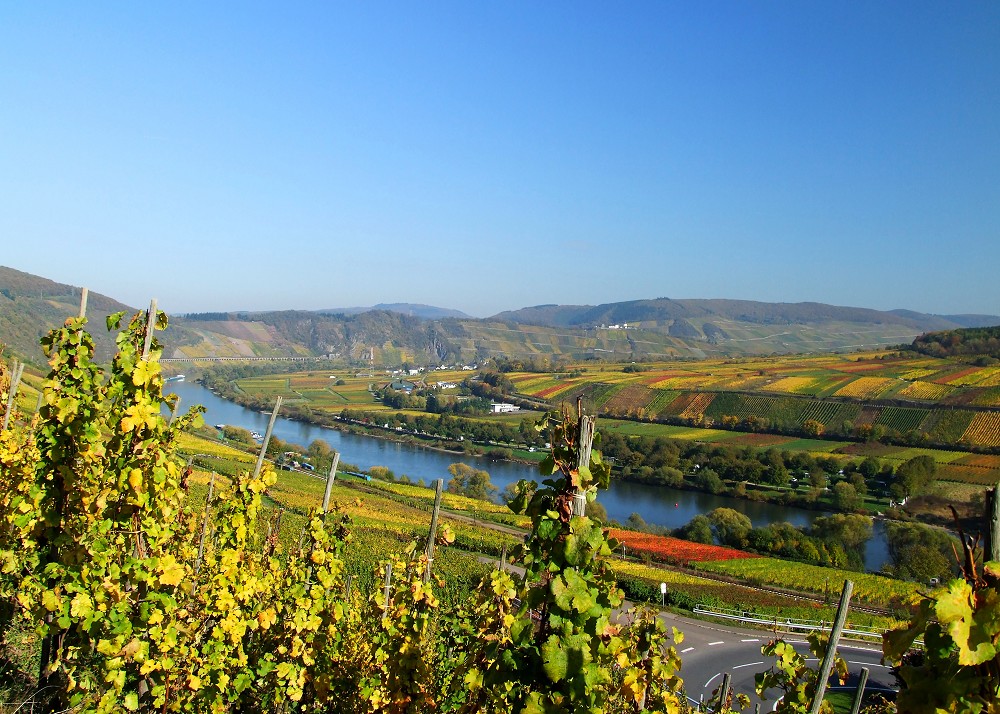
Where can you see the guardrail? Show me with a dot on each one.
(782, 624)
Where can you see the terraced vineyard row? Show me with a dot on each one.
(901, 419)
(984, 429)
(630, 399)
(829, 413)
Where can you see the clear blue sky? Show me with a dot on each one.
(489, 156)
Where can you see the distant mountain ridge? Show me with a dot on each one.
(662, 310)
(427, 312)
(394, 333)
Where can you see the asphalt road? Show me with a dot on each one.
(709, 650)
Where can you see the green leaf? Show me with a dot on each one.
(114, 321)
(555, 660)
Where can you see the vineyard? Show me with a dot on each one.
(696, 407)
(950, 426)
(984, 429)
(862, 398)
(988, 397)
(629, 400)
(874, 590)
(345, 611)
(674, 550)
(150, 589)
(689, 588)
(926, 391)
(901, 419)
(830, 413)
(792, 385)
(866, 388)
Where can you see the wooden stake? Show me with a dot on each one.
(267, 438)
(329, 481)
(860, 694)
(438, 488)
(991, 550)
(388, 583)
(831, 648)
(585, 443)
(84, 293)
(727, 680)
(204, 523)
(17, 369)
(150, 323)
(173, 413)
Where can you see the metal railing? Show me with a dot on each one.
(781, 623)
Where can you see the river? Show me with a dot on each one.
(655, 504)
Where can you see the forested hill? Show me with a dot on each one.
(30, 306)
(983, 341)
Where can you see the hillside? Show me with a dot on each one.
(661, 311)
(30, 306)
(889, 397)
(638, 330)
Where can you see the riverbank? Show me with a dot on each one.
(662, 507)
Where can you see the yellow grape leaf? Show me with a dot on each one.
(81, 606)
(50, 601)
(144, 371)
(171, 572)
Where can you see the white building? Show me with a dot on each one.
(503, 408)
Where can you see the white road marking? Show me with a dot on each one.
(712, 680)
(868, 664)
(713, 644)
(689, 649)
(753, 640)
(748, 664)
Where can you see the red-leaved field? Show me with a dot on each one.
(667, 548)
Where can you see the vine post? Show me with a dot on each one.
(267, 438)
(150, 322)
(992, 530)
(860, 693)
(831, 649)
(84, 293)
(727, 680)
(387, 590)
(17, 369)
(585, 445)
(173, 413)
(438, 488)
(331, 477)
(204, 523)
